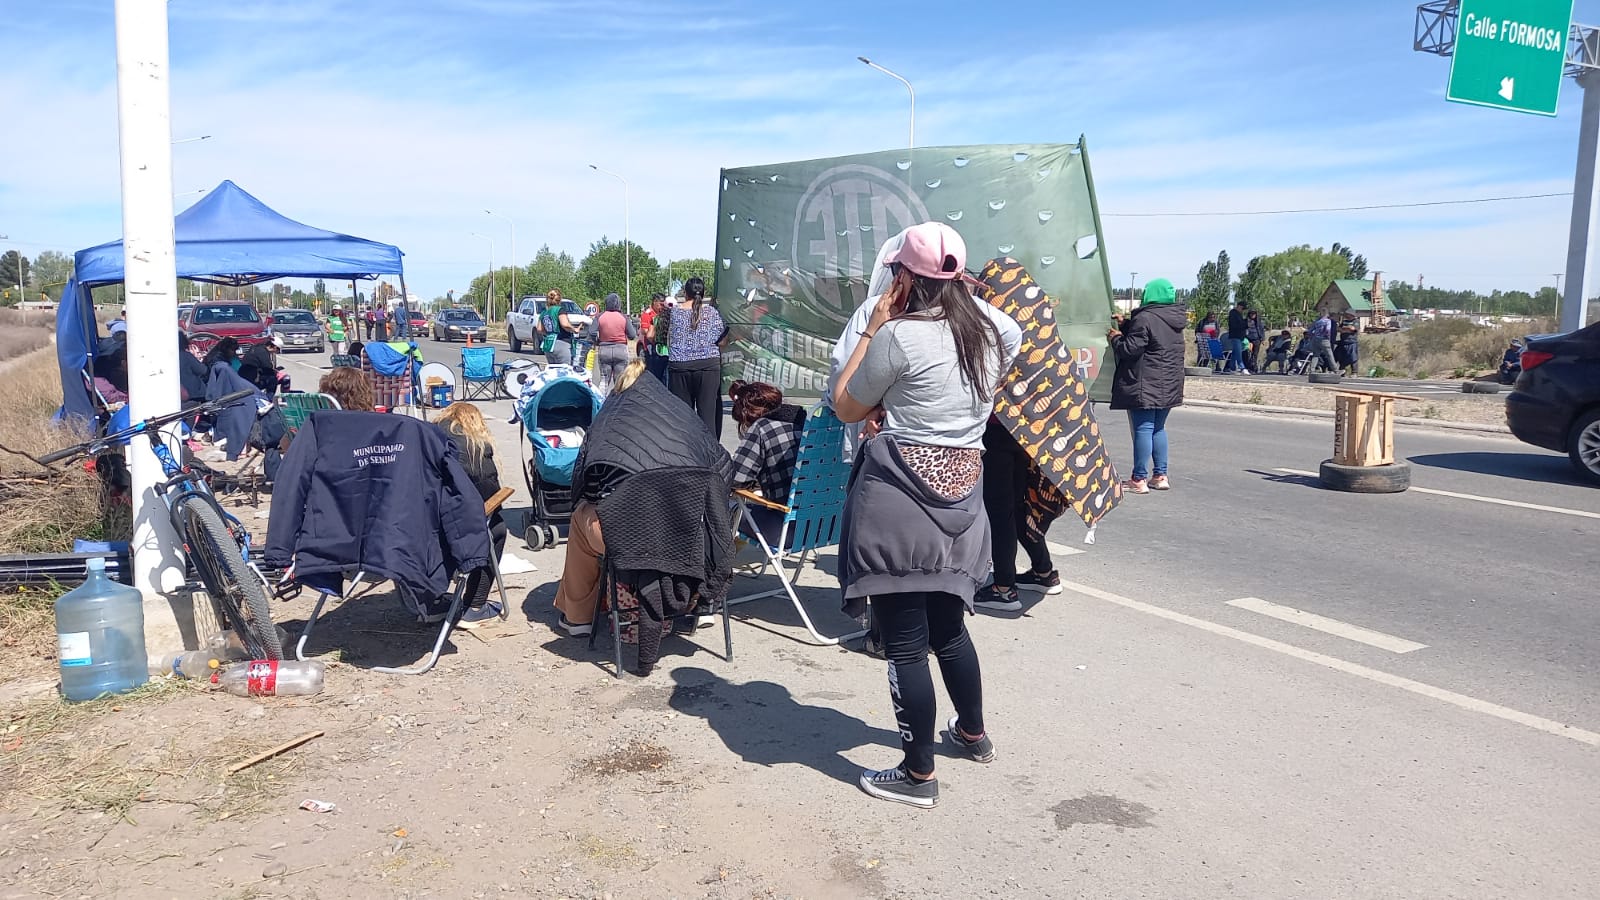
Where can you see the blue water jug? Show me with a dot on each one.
(100, 633)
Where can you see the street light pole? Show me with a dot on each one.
(627, 242)
(489, 306)
(911, 144)
(515, 298)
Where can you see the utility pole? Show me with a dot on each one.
(1133, 283)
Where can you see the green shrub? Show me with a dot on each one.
(1438, 335)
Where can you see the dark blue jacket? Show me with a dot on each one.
(379, 492)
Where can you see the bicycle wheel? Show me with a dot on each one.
(235, 588)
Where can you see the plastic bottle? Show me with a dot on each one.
(100, 635)
(185, 663)
(271, 678)
(226, 646)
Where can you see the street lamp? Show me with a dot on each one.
(912, 142)
(515, 297)
(488, 307)
(627, 242)
(1133, 285)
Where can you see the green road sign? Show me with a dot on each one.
(1510, 54)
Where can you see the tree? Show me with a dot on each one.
(1287, 285)
(601, 272)
(14, 270)
(319, 289)
(52, 270)
(1356, 264)
(1211, 292)
(681, 270)
(550, 271)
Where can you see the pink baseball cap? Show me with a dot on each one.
(932, 250)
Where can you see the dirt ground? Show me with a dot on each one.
(519, 767)
(1474, 409)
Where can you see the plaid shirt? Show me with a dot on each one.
(766, 458)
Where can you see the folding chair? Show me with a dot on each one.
(610, 592)
(480, 377)
(344, 361)
(389, 391)
(458, 595)
(813, 516)
(1220, 356)
(297, 407)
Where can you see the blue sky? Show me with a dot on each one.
(403, 121)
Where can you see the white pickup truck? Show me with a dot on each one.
(522, 326)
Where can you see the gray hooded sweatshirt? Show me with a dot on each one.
(898, 536)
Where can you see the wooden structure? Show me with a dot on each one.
(1363, 427)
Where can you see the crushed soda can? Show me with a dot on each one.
(318, 806)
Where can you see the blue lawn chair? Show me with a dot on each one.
(1220, 356)
(480, 377)
(813, 515)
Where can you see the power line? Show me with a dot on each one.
(1326, 209)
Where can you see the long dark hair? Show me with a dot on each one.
(757, 400)
(695, 290)
(225, 350)
(974, 334)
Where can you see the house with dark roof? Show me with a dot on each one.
(1355, 295)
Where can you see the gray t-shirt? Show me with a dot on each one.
(910, 369)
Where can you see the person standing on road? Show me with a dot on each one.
(1321, 334)
(1346, 346)
(380, 318)
(655, 363)
(371, 320)
(694, 354)
(1238, 338)
(613, 331)
(1255, 331)
(1149, 380)
(915, 538)
(556, 329)
(338, 330)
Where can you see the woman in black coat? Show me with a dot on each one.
(1149, 379)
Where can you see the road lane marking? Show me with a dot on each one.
(1327, 626)
(1495, 500)
(1061, 549)
(1462, 701)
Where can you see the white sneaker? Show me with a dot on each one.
(574, 628)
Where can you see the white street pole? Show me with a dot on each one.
(150, 278)
(1574, 309)
(488, 308)
(515, 297)
(911, 143)
(627, 242)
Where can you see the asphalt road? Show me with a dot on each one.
(1171, 726)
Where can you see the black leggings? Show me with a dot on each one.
(1005, 489)
(913, 623)
(699, 384)
(479, 582)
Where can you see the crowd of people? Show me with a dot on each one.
(1326, 345)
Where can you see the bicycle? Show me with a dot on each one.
(216, 544)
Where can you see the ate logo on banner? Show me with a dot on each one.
(844, 216)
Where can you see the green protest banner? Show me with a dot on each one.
(795, 242)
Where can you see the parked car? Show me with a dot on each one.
(419, 323)
(1556, 403)
(183, 311)
(212, 321)
(458, 323)
(300, 329)
(522, 324)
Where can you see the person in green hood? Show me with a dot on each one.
(1148, 383)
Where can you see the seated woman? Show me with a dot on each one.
(470, 433)
(349, 387)
(578, 593)
(770, 440)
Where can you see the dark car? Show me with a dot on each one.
(1556, 403)
(299, 329)
(457, 324)
(212, 321)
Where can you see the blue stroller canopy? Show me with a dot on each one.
(562, 403)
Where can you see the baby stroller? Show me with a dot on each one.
(1303, 360)
(555, 418)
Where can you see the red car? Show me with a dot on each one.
(210, 322)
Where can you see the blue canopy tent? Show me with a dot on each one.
(227, 237)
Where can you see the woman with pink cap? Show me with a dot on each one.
(915, 537)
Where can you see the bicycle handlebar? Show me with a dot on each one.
(147, 425)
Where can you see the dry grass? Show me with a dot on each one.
(94, 757)
(27, 631)
(24, 332)
(41, 509)
(1443, 348)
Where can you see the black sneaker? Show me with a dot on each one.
(1049, 583)
(897, 784)
(484, 613)
(981, 749)
(991, 597)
